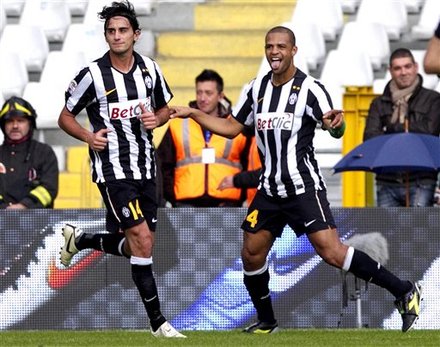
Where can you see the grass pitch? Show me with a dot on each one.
(286, 337)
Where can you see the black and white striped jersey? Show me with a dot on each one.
(111, 99)
(285, 118)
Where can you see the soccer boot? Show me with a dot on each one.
(166, 330)
(409, 306)
(262, 328)
(69, 249)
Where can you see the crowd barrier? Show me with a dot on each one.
(199, 272)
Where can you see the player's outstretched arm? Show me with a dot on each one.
(227, 127)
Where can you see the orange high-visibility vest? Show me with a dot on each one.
(254, 163)
(192, 177)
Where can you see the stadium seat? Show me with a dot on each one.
(379, 85)
(350, 6)
(391, 13)
(48, 101)
(428, 20)
(413, 6)
(86, 38)
(61, 67)
(146, 43)
(53, 17)
(14, 75)
(77, 7)
(310, 41)
(13, 8)
(2, 18)
(329, 17)
(345, 68)
(370, 38)
(27, 41)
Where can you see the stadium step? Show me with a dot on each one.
(181, 72)
(228, 37)
(76, 190)
(242, 15)
(212, 44)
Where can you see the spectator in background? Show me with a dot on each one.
(194, 160)
(431, 62)
(405, 105)
(28, 168)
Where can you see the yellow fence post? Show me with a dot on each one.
(357, 186)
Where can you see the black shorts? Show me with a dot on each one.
(129, 203)
(305, 213)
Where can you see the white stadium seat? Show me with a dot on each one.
(350, 6)
(369, 37)
(2, 18)
(29, 42)
(14, 76)
(146, 43)
(61, 67)
(413, 6)
(77, 7)
(310, 41)
(345, 68)
(88, 39)
(329, 17)
(48, 102)
(428, 20)
(52, 16)
(391, 13)
(13, 8)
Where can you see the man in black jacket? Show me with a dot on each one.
(28, 168)
(405, 105)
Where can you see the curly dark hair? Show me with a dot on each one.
(123, 9)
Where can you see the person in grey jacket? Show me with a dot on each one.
(405, 105)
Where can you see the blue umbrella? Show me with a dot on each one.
(400, 152)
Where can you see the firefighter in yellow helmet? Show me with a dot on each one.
(28, 168)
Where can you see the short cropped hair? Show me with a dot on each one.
(401, 53)
(211, 75)
(283, 29)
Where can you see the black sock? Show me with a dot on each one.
(364, 267)
(258, 288)
(107, 243)
(143, 278)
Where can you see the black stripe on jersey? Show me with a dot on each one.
(159, 98)
(261, 92)
(88, 95)
(109, 84)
